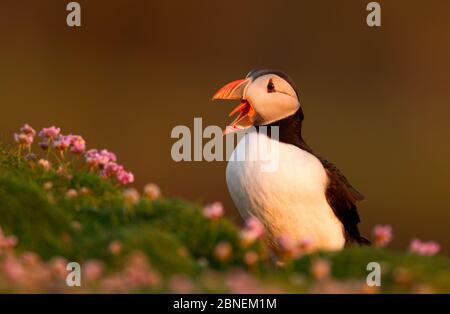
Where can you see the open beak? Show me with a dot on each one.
(233, 91)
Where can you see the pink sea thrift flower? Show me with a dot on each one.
(320, 268)
(92, 270)
(30, 259)
(71, 194)
(107, 156)
(125, 177)
(152, 191)
(138, 272)
(28, 130)
(58, 266)
(92, 158)
(14, 269)
(424, 248)
(254, 225)
(213, 211)
(115, 247)
(78, 144)
(223, 251)
(103, 159)
(111, 169)
(85, 191)
(251, 258)
(91, 153)
(294, 248)
(286, 243)
(115, 283)
(50, 133)
(26, 136)
(24, 140)
(62, 171)
(253, 230)
(240, 282)
(48, 185)
(7, 242)
(44, 164)
(306, 245)
(96, 158)
(62, 142)
(382, 235)
(131, 196)
(180, 283)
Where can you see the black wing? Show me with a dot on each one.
(342, 198)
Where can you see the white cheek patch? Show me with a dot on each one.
(276, 107)
(271, 107)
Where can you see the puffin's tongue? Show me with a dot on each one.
(245, 112)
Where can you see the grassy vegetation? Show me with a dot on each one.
(165, 244)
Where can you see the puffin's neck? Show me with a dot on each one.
(290, 130)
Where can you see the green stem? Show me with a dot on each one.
(56, 157)
(19, 154)
(49, 148)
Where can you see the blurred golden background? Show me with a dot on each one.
(376, 100)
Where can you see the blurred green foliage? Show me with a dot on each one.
(175, 236)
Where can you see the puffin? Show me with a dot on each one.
(305, 197)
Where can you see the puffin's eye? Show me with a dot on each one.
(270, 86)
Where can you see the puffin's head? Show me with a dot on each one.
(266, 96)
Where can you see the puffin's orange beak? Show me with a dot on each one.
(236, 90)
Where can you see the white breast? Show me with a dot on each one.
(285, 188)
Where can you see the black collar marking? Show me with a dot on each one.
(290, 130)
